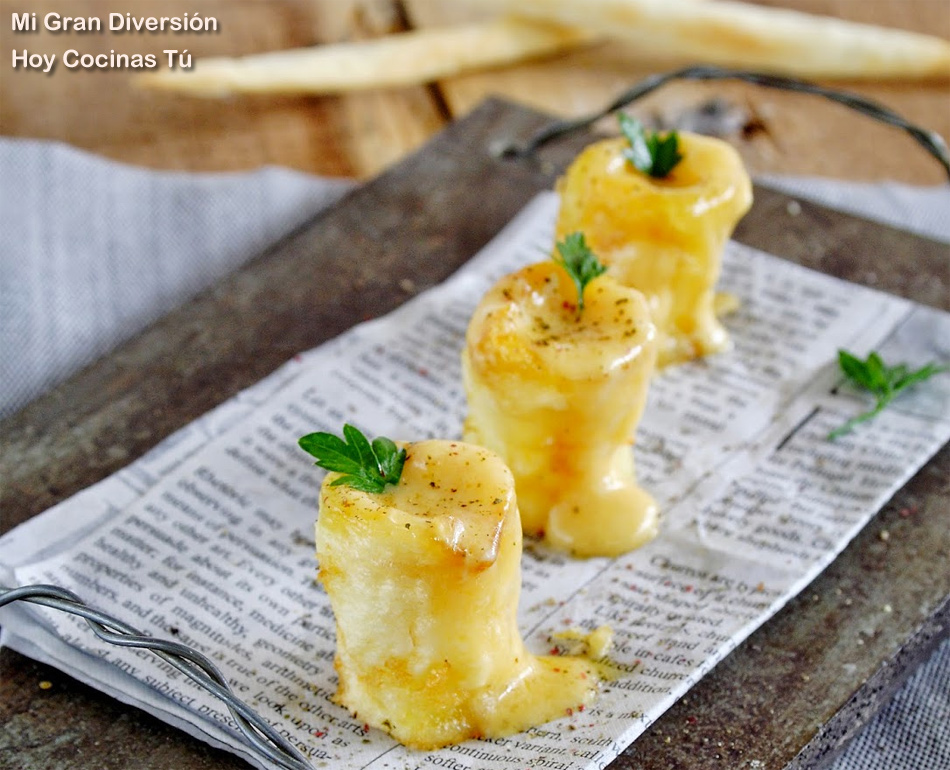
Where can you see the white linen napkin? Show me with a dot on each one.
(92, 251)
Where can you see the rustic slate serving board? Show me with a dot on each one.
(789, 697)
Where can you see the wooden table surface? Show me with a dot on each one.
(358, 135)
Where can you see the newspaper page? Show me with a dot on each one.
(208, 539)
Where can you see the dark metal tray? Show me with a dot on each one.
(781, 700)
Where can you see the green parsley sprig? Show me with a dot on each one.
(366, 467)
(575, 256)
(648, 151)
(884, 381)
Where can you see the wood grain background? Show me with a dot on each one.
(358, 135)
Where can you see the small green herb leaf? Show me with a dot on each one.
(366, 467)
(331, 451)
(575, 256)
(924, 373)
(648, 151)
(883, 381)
(390, 458)
(359, 445)
(855, 369)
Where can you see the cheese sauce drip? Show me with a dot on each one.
(558, 394)
(424, 580)
(662, 236)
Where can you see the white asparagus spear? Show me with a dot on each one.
(403, 59)
(743, 35)
(710, 31)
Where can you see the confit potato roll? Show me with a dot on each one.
(424, 579)
(663, 236)
(558, 394)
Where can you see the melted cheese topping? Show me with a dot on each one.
(594, 645)
(424, 581)
(558, 394)
(662, 236)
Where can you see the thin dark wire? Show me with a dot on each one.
(260, 735)
(929, 140)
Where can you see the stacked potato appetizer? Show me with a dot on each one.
(663, 235)
(558, 392)
(419, 546)
(424, 579)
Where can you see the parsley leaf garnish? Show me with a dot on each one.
(648, 151)
(580, 262)
(884, 381)
(366, 467)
